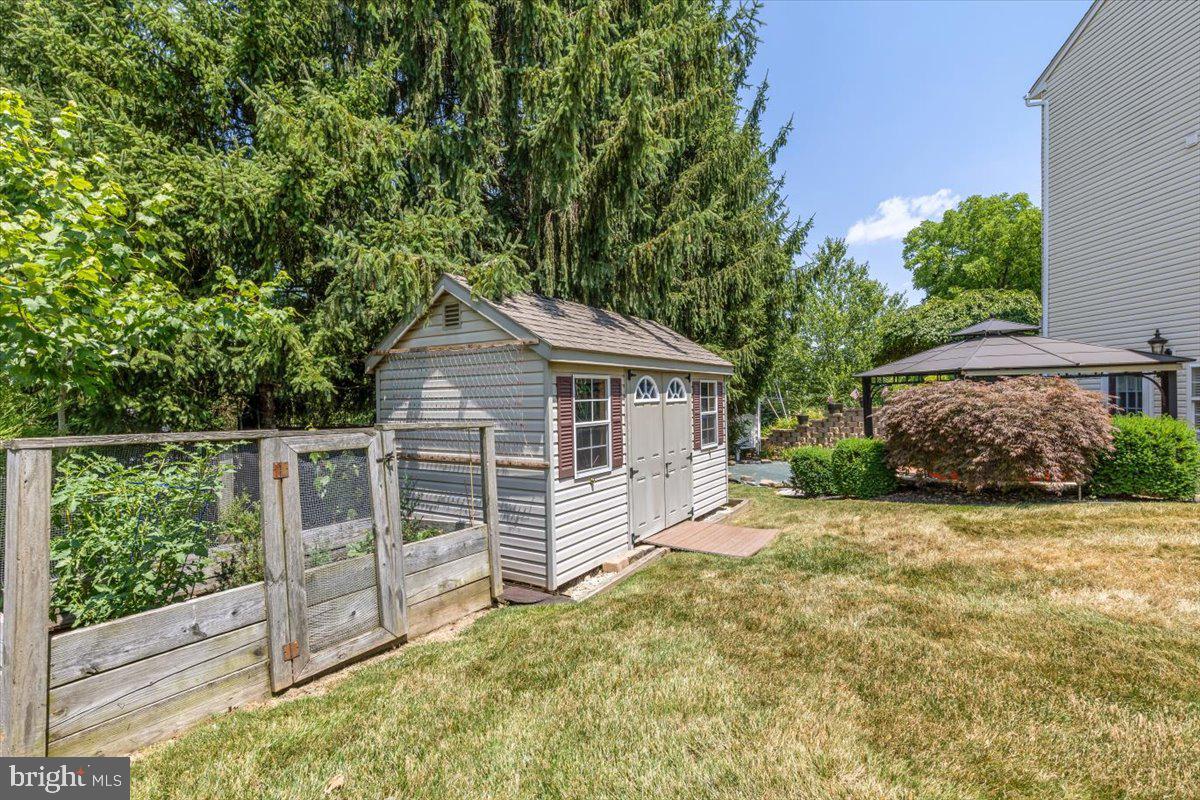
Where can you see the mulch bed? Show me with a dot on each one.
(948, 495)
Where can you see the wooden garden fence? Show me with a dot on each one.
(337, 581)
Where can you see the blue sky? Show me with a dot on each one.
(906, 104)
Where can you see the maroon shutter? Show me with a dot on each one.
(695, 415)
(617, 407)
(720, 412)
(566, 426)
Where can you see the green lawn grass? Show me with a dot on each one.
(876, 650)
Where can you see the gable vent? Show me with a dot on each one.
(451, 315)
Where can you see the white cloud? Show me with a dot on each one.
(897, 216)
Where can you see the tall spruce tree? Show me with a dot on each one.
(591, 149)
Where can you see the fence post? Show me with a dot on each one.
(279, 634)
(26, 646)
(491, 507)
(389, 543)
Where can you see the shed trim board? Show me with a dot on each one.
(553, 528)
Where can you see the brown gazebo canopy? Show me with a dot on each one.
(998, 347)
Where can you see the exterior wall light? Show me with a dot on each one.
(1158, 343)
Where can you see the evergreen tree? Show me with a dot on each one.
(591, 149)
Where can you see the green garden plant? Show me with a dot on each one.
(859, 468)
(239, 533)
(811, 471)
(130, 538)
(1151, 457)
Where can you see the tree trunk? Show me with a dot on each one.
(266, 405)
(62, 409)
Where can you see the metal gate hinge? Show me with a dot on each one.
(291, 651)
(279, 470)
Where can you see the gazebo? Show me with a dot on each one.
(997, 348)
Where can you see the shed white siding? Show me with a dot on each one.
(505, 386)
(591, 514)
(710, 466)
(1121, 183)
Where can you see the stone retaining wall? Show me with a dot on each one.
(825, 432)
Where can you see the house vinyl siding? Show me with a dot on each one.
(504, 386)
(1122, 188)
(591, 514)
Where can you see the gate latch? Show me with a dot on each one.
(291, 651)
(279, 470)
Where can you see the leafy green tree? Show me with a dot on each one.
(930, 323)
(89, 314)
(837, 329)
(992, 242)
(587, 149)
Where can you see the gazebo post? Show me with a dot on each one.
(868, 415)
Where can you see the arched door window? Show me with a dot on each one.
(675, 391)
(646, 390)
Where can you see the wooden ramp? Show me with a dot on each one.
(715, 538)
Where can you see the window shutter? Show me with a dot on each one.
(1112, 393)
(695, 415)
(720, 412)
(566, 426)
(616, 409)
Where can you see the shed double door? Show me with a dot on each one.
(660, 452)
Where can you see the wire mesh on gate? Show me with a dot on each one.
(336, 512)
(138, 527)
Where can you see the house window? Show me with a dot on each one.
(708, 413)
(675, 391)
(592, 425)
(646, 391)
(1129, 394)
(1195, 395)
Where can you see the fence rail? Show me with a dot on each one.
(336, 577)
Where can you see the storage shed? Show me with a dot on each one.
(609, 428)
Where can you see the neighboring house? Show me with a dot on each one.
(609, 428)
(1120, 108)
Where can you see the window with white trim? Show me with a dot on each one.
(646, 390)
(592, 425)
(708, 413)
(1130, 399)
(1195, 395)
(676, 391)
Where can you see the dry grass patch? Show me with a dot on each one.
(875, 650)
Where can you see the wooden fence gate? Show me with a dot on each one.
(334, 570)
(335, 585)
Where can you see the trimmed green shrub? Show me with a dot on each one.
(1151, 457)
(859, 468)
(811, 473)
(998, 433)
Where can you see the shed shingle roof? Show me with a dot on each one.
(567, 329)
(565, 325)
